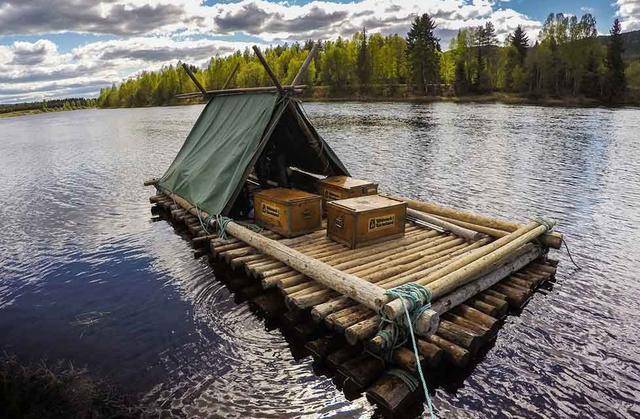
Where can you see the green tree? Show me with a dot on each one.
(520, 41)
(423, 51)
(616, 83)
(484, 40)
(364, 65)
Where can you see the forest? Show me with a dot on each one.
(48, 105)
(568, 59)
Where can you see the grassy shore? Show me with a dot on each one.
(34, 112)
(57, 391)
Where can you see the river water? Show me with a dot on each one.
(86, 276)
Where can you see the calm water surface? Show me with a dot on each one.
(86, 276)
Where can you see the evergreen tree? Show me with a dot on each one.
(590, 84)
(485, 37)
(520, 41)
(460, 85)
(423, 52)
(364, 67)
(616, 82)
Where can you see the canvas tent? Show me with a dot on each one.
(229, 137)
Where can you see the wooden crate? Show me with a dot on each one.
(343, 187)
(365, 220)
(289, 212)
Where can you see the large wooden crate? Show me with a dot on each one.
(289, 212)
(365, 220)
(343, 187)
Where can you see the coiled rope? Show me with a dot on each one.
(415, 299)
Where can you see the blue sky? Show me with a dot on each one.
(64, 48)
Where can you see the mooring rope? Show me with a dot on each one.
(550, 224)
(566, 246)
(415, 299)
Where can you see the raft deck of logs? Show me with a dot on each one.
(478, 270)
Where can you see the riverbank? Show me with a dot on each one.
(496, 97)
(36, 112)
(504, 98)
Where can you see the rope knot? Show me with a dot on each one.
(548, 223)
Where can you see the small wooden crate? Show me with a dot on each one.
(288, 212)
(365, 220)
(343, 187)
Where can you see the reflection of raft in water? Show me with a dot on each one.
(472, 269)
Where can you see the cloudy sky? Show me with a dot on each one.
(64, 48)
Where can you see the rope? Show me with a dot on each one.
(415, 299)
(566, 246)
(221, 222)
(549, 224)
(203, 225)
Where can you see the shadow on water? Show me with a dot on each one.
(85, 276)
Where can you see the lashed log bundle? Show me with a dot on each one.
(474, 280)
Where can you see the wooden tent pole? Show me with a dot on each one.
(303, 68)
(195, 80)
(268, 69)
(230, 77)
(294, 89)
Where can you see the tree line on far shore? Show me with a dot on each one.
(567, 60)
(50, 105)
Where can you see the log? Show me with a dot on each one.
(431, 353)
(361, 371)
(362, 331)
(455, 354)
(482, 331)
(391, 393)
(321, 347)
(406, 359)
(447, 226)
(476, 316)
(521, 258)
(552, 239)
(303, 68)
(270, 72)
(293, 89)
(195, 81)
(230, 76)
(459, 335)
(342, 355)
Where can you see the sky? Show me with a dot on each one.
(70, 48)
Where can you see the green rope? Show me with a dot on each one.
(221, 222)
(202, 224)
(415, 299)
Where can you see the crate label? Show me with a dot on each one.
(306, 214)
(382, 222)
(339, 222)
(270, 210)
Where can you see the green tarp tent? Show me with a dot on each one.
(227, 140)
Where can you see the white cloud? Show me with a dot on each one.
(629, 12)
(86, 69)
